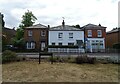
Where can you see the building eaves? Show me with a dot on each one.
(66, 27)
(89, 26)
(38, 26)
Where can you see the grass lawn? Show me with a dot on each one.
(59, 72)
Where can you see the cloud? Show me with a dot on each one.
(51, 12)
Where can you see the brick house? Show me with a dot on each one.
(36, 37)
(94, 37)
(7, 35)
(112, 37)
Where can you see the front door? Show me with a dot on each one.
(42, 46)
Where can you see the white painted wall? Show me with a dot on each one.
(53, 37)
(94, 39)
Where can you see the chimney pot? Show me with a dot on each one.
(48, 26)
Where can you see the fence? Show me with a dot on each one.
(66, 50)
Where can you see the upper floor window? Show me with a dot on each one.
(43, 33)
(89, 33)
(99, 33)
(30, 33)
(60, 35)
(70, 35)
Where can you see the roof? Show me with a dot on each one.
(38, 26)
(65, 27)
(89, 26)
(113, 31)
(9, 31)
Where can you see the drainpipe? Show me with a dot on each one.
(84, 41)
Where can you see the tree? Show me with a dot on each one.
(3, 22)
(28, 19)
(77, 26)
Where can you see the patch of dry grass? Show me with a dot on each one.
(59, 72)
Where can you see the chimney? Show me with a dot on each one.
(13, 28)
(99, 24)
(63, 24)
(48, 26)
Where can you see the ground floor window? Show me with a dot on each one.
(53, 43)
(30, 45)
(71, 44)
(60, 44)
(95, 45)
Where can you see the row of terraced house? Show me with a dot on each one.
(63, 37)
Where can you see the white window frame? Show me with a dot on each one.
(60, 35)
(43, 33)
(43, 46)
(89, 33)
(99, 33)
(30, 45)
(30, 33)
(70, 35)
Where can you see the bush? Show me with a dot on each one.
(8, 56)
(81, 59)
(62, 59)
(54, 59)
(71, 60)
(85, 59)
(91, 60)
(116, 45)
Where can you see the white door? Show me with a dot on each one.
(42, 46)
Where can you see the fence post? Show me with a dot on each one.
(39, 57)
(52, 58)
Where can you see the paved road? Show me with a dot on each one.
(36, 55)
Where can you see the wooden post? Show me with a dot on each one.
(39, 57)
(52, 58)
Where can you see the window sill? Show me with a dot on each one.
(60, 38)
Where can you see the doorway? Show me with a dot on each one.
(42, 45)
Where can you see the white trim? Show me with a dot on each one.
(96, 38)
(43, 33)
(89, 31)
(99, 35)
(91, 47)
(30, 33)
(32, 45)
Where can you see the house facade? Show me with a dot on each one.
(112, 37)
(65, 35)
(7, 35)
(36, 37)
(94, 37)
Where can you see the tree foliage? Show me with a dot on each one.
(28, 19)
(3, 22)
(76, 26)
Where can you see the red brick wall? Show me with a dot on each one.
(111, 38)
(94, 33)
(36, 35)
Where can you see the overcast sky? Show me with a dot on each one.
(50, 12)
